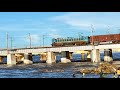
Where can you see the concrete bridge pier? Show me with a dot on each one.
(108, 55)
(83, 56)
(89, 55)
(65, 57)
(51, 58)
(95, 55)
(11, 59)
(70, 55)
(1, 58)
(28, 58)
(43, 57)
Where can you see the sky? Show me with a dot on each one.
(19, 25)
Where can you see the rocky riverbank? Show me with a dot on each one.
(102, 67)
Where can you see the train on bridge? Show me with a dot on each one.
(87, 40)
(80, 41)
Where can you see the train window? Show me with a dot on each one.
(61, 40)
(85, 38)
(55, 40)
(82, 38)
(64, 39)
(58, 40)
(67, 40)
(74, 39)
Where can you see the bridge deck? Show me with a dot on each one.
(58, 49)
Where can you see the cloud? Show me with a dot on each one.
(70, 20)
(84, 20)
(53, 30)
(54, 35)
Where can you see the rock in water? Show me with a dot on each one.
(27, 61)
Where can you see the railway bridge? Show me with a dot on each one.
(49, 53)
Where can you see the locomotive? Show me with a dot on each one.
(70, 41)
(87, 40)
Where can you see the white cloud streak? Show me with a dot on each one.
(54, 35)
(83, 21)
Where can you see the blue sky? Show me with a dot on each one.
(53, 25)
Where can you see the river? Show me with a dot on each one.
(56, 70)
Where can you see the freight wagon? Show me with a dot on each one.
(105, 39)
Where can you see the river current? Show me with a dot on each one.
(56, 70)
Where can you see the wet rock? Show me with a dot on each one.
(27, 61)
(64, 60)
(95, 71)
(85, 70)
(107, 67)
(104, 67)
